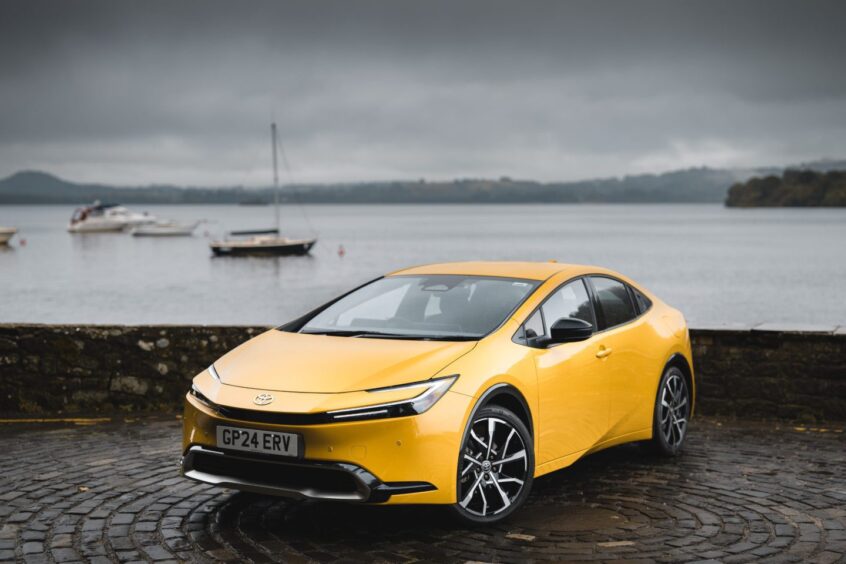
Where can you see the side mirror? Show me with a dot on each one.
(569, 330)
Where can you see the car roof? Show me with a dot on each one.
(525, 270)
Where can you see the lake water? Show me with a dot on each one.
(719, 266)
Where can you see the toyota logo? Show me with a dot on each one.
(263, 399)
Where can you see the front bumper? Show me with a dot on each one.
(305, 480)
(400, 460)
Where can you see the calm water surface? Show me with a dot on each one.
(718, 265)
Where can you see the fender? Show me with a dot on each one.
(680, 360)
(497, 389)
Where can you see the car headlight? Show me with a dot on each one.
(430, 392)
(195, 391)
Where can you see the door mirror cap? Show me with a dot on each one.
(569, 330)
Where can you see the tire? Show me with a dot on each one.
(671, 414)
(488, 492)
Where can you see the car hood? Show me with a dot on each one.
(295, 362)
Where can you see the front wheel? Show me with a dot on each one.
(672, 413)
(496, 466)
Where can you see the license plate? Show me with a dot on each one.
(255, 440)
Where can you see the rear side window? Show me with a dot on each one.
(643, 303)
(614, 301)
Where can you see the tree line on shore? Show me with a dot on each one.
(794, 188)
(749, 187)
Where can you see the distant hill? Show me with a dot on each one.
(690, 185)
(33, 187)
(795, 188)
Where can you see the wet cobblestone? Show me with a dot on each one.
(741, 492)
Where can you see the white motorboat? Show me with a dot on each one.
(93, 219)
(165, 229)
(266, 241)
(106, 217)
(6, 234)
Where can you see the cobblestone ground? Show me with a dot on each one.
(740, 492)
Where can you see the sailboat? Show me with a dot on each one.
(263, 241)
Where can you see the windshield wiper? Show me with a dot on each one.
(358, 333)
(365, 334)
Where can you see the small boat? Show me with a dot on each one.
(6, 234)
(93, 219)
(99, 218)
(266, 242)
(165, 229)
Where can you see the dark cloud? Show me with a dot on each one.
(182, 92)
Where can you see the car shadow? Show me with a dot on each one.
(556, 497)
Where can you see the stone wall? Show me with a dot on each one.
(771, 372)
(64, 369)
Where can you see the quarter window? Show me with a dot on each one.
(613, 296)
(643, 303)
(534, 326)
(571, 300)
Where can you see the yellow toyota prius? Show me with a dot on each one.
(452, 384)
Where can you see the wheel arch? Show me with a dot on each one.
(680, 361)
(508, 397)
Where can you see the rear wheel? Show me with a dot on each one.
(495, 467)
(672, 413)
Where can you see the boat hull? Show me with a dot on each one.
(96, 227)
(162, 233)
(276, 249)
(171, 230)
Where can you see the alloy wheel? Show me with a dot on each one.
(494, 467)
(675, 408)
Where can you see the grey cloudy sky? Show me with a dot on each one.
(182, 92)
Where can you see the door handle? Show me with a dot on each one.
(603, 352)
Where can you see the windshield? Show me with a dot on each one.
(436, 306)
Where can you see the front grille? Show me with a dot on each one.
(262, 416)
(275, 474)
(273, 418)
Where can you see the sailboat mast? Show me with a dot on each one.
(275, 176)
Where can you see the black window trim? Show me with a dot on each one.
(519, 335)
(543, 319)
